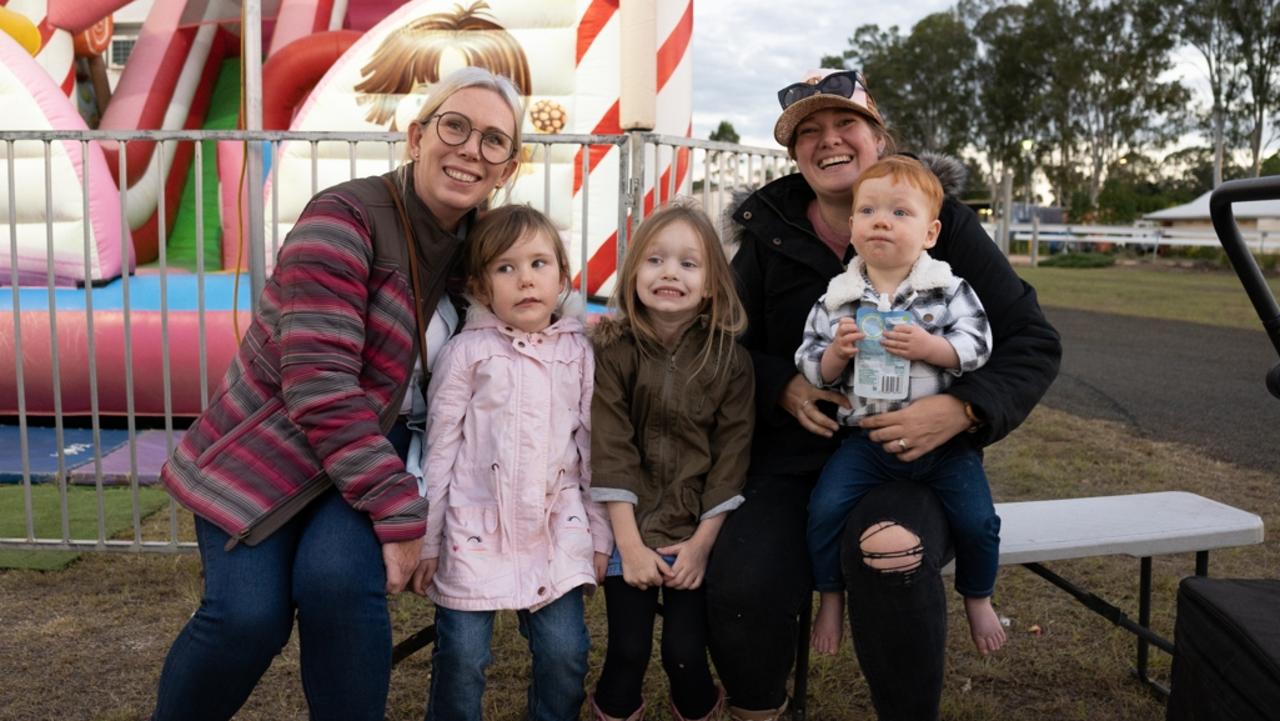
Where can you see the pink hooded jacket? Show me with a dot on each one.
(508, 466)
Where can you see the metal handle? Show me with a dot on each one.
(1224, 224)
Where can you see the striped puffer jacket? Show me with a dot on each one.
(321, 373)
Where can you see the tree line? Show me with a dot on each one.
(1094, 94)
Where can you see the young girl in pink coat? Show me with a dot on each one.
(510, 524)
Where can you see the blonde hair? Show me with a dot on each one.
(500, 229)
(464, 78)
(908, 170)
(724, 314)
(410, 56)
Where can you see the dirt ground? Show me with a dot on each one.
(88, 642)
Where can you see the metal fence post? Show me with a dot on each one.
(253, 121)
(1006, 215)
(1035, 240)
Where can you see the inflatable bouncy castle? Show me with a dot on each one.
(329, 65)
(38, 49)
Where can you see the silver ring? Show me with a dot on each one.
(902, 444)
(805, 404)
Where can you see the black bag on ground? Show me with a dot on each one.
(1227, 664)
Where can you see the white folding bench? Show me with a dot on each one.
(1140, 525)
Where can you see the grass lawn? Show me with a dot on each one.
(82, 516)
(62, 629)
(1200, 296)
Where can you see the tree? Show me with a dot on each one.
(1257, 24)
(924, 82)
(1271, 166)
(1131, 190)
(724, 133)
(1082, 80)
(1205, 28)
(1187, 173)
(1011, 66)
(1121, 103)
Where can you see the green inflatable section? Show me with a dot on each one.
(224, 109)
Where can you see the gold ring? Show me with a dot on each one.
(902, 444)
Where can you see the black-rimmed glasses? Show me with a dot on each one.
(843, 83)
(454, 129)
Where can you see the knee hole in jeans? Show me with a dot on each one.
(891, 550)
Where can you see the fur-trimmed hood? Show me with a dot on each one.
(950, 171)
(848, 287)
(609, 329)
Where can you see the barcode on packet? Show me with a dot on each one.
(891, 384)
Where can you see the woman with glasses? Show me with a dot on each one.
(794, 237)
(295, 472)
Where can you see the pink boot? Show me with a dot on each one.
(598, 715)
(741, 714)
(712, 715)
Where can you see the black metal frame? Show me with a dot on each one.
(1224, 224)
(1146, 638)
(424, 637)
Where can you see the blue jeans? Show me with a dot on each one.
(557, 636)
(954, 472)
(325, 564)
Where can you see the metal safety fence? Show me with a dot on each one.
(98, 379)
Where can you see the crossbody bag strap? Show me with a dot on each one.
(411, 248)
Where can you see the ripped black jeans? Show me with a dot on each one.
(758, 579)
(899, 618)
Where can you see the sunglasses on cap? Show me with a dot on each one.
(843, 83)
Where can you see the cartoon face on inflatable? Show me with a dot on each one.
(564, 56)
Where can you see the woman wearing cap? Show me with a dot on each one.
(794, 238)
(295, 472)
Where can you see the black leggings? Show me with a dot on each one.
(759, 578)
(631, 613)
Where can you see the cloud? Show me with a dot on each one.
(745, 50)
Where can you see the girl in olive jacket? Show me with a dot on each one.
(672, 418)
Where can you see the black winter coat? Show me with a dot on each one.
(782, 267)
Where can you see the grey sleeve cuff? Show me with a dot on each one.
(605, 495)
(725, 507)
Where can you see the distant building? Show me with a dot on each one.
(1253, 215)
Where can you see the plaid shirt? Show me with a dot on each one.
(937, 300)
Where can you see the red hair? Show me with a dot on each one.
(905, 169)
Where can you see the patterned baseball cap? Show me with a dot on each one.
(821, 90)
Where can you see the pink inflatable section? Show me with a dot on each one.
(302, 50)
(33, 101)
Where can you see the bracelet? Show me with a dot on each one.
(974, 421)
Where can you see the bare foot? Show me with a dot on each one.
(984, 625)
(828, 627)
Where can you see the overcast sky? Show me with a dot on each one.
(745, 50)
